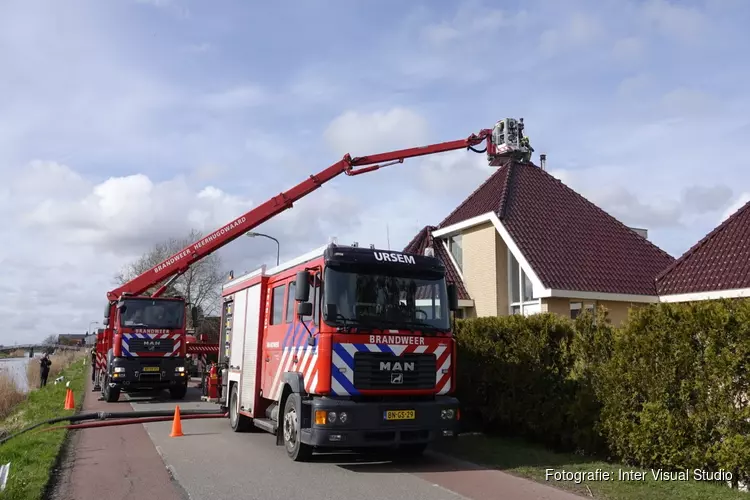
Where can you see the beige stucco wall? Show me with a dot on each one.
(618, 311)
(485, 273)
(485, 270)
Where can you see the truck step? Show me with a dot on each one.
(266, 424)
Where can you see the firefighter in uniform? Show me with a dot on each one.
(93, 364)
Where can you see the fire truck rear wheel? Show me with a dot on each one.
(291, 428)
(238, 422)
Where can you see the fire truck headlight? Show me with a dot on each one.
(447, 414)
(119, 369)
(332, 416)
(343, 417)
(179, 369)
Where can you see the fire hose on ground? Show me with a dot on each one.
(125, 418)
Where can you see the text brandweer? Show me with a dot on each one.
(394, 339)
(196, 246)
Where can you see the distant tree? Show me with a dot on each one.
(50, 339)
(200, 285)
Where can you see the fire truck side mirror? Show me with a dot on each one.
(194, 315)
(304, 309)
(302, 288)
(452, 297)
(106, 314)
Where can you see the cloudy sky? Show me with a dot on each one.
(124, 122)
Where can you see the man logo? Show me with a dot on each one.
(151, 345)
(398, 366)
(397, 378)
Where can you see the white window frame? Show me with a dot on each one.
(449, 245)
(581, 305)
(522, 305)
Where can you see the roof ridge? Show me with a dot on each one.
(425, 230)
(597, 207)
(483, 184)
(505, 193)
(703, 241)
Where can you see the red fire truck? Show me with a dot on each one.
(144, 345)
(344, 347)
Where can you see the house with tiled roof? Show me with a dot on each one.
(523, 243)
(718, 266)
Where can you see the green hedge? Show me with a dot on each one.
(660, 391)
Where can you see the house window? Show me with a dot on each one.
(455, 247)
(575, 309)
(521, 290)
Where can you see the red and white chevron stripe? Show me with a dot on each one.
(302, 360)
(202, 349)
(443, 364)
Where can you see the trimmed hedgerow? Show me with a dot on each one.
(668, 389)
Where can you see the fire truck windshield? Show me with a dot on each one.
(367, 299)
(152, 313)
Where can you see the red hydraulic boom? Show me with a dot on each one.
(504, 141)
(143, 345)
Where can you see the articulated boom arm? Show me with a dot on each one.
(181, 261)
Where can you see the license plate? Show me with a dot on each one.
(150, 368)
(400, 415)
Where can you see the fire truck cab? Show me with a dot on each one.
(344, 347)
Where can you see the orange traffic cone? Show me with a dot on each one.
(69, 401)
(176, 424)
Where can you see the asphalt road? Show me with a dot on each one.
(211, 461)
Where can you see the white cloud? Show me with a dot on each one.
(237, 98)
(739, 202)
(72, 235)
(579, 29)
(684, 23)
(629, 49)
(143, 133)
(370, 133)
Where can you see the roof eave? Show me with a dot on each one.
(615, 297)
(735, 293)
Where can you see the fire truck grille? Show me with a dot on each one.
(146, 345)
(379, 370)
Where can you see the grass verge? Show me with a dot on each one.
(10, 395)
(34, 455)
(530, 461)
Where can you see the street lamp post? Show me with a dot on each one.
(92, 323)
(278, 245)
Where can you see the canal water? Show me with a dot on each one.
(16, 367)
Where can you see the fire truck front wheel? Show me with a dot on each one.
(291, 428)
(111, 394)
(178, 392)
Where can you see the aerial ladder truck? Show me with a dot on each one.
(143, 344)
